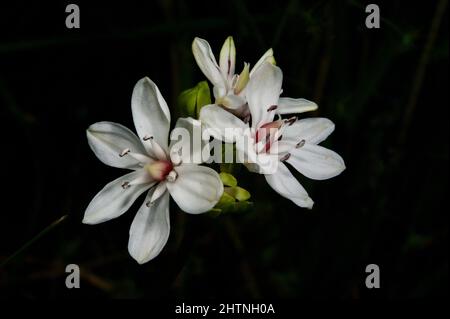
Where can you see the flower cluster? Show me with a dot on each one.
(247, 112)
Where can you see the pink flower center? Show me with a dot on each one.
(159, 170)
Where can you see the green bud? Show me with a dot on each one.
(234, 198)
(228, 179)
(225, 202)
(192, 100)
(238, 193)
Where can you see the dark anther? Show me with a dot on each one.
(285, 157)
(300, 144)
(271, 108)
(291, 120)
(124, 152)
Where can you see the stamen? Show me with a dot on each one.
(158, 192)
(278, 116)
(141, 179)
(291, 120)
(286, 122)
(124, 152)
(285, 157)
(142, 159)
(300, 144)
(172, 176)
(272, 108)
(156, 148)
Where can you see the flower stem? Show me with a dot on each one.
(35, 238)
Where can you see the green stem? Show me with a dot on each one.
(35, 238)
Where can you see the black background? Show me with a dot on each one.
(386, 90)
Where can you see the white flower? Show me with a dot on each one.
(156, 168)
(229, 88)
(272, 142)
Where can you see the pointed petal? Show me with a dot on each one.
(151, 114)
(267, 57)
(243, 79)
(150, 229)
(227, 59)
(313, 130)
(108, 140)
(263, 91)
(113, 200)
(207, 62)
(197, 189)
(285, 184)
(287, 105)
(221, 124)
(316, 162)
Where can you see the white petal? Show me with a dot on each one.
(151, 115)
(263, 91)
(221, 124)
(108, 140)
(150, 229)
(282, 147)
(219, 91)
(187, 143)
(316, 162)
(285, 184)
(267, 57)
(313, 130)
(227, 59)
(207, 62)
(113, 200)
(231, 101)
(197, 189)
(287, 105)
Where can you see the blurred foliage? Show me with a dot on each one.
(191, 101)
(386, 90)
(234, 198)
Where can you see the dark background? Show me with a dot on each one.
(386, 89)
